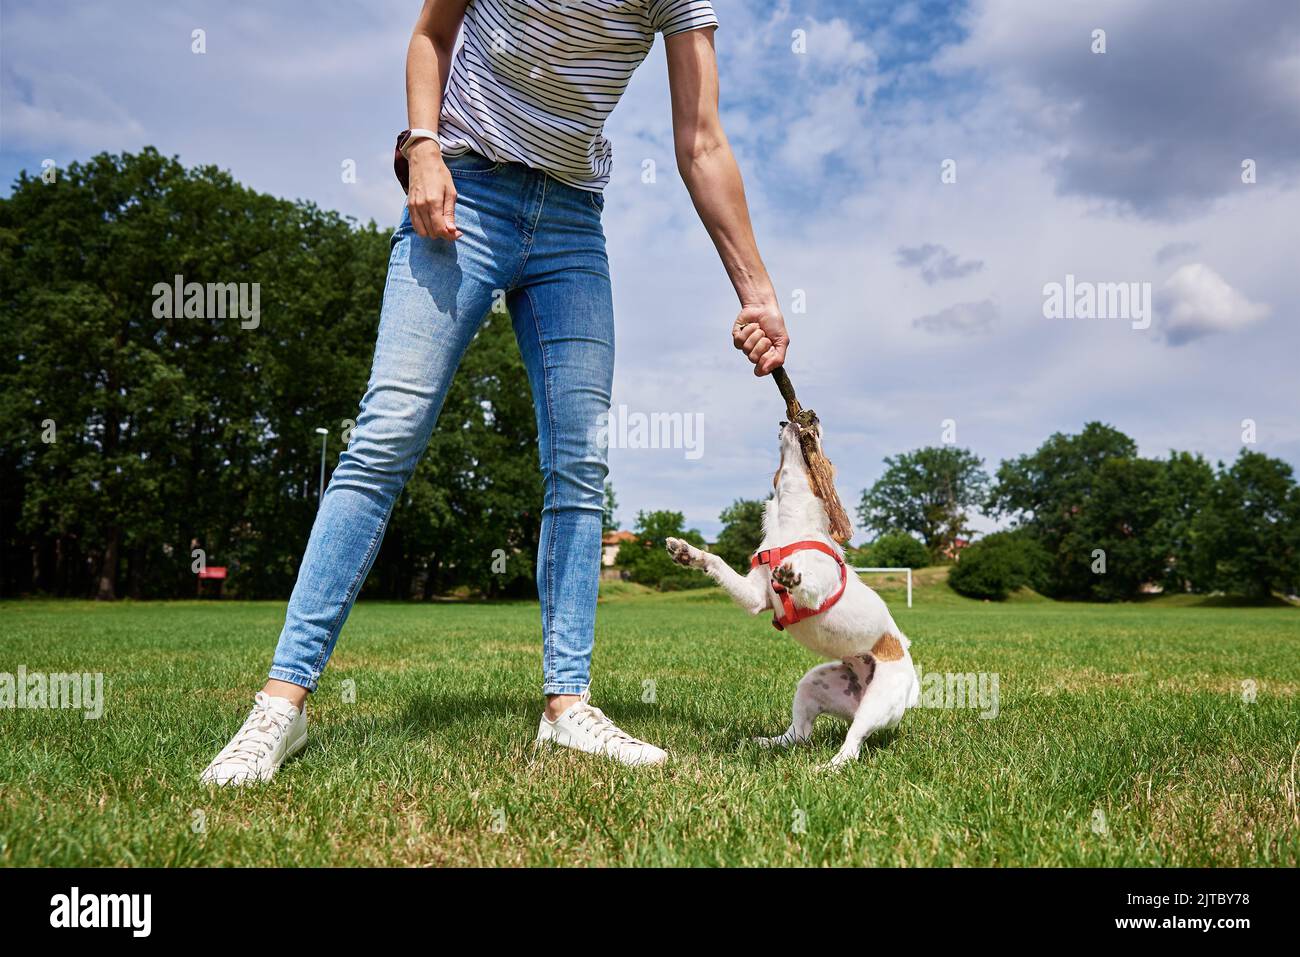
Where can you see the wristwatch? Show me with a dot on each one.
(409, 138)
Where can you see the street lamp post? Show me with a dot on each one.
(324, 434)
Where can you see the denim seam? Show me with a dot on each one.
(547, 637)
(337, 625)
(523, 261)
(290, 677)
(563, 688)
(541, 205)
(473, 172)
(529, 232)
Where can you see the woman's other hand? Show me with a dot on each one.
(432, 195)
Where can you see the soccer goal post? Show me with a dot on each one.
(863, 571)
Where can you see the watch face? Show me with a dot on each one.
(400, 167)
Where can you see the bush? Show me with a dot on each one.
(684, 579)
(895, 550)
(998, 564)
(647, 562)
(856, 557)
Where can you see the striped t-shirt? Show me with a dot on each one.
(533, 80)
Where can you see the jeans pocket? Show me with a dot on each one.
(597, 200)
(470, 163)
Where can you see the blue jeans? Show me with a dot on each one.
(539, 244)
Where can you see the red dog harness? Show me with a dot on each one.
(773, 557)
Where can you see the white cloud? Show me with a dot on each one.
(963, 319)
(1196, 301)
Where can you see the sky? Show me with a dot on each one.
(921, 175)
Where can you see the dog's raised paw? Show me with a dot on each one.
(681, 552)
(786, 576)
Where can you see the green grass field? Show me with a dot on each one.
(1123, 738)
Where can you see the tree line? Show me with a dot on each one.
(1087, 519)
(1091, 519)
(172, 342)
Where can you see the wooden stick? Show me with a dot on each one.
(792, 407)
(820, 473)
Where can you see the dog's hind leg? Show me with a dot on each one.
(832, 688)
(881, 706)
(747, 591)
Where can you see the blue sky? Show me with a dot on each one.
(924, 298)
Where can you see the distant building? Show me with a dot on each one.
(609, 546)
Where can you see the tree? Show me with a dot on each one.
(646, 559)
(927, 493)
(1248, 535)
(742, 533)
(1183, 494)
(1113, 548)
(1047, 491)
(174, 428)
(895, 550)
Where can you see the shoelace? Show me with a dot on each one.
(593, 720)
(254, 740)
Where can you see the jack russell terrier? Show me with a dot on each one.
(799, 573)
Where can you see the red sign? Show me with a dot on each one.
(216, 571)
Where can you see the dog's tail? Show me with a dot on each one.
(914, 693)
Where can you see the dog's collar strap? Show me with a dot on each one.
(772, 557)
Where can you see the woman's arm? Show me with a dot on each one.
(431, 197)
(709, 170)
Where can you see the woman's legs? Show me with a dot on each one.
(542, 244)
(435, 298)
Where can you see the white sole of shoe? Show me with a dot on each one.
(606, 755)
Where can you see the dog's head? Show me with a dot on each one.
(805, 427)
(797, 501)
(791, 482)
(802, 426)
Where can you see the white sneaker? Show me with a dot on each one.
(585, 728)
(273, 732)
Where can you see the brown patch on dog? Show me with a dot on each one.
(887, 648)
